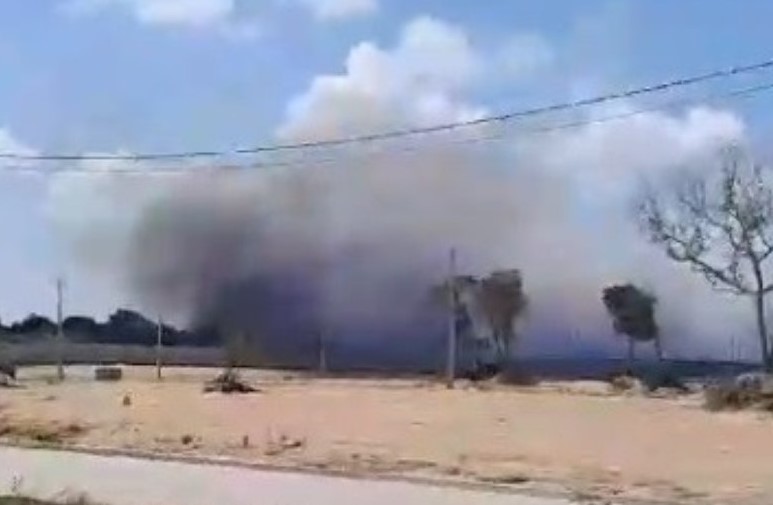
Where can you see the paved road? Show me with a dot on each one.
(127, 481)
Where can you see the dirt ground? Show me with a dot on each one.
(578, 437)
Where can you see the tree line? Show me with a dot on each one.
(124, 326)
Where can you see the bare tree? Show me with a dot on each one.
(722, 227)
(633, 314)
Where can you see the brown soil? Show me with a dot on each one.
(578, 436)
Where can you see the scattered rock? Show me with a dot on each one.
(186, 439)
(127, 400)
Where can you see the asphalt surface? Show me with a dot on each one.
(127, 481)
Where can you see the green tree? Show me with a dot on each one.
(633, 314)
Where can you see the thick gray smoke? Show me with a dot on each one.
(351, 248)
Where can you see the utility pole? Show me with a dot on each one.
(159, 348)
(322, 354)
(452, 337)
(59, 330)
(733, 356)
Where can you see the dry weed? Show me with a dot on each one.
(51, 433)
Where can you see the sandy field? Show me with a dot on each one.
(578, 438)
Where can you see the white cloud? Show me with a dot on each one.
(220, 15)
(183, 12)
(224, 16)
(329, 10)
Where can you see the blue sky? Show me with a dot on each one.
(163, 75)
(106, 80)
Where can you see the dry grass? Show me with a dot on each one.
(21, 500)
(52, 433)
(731, 397)
(569, 434)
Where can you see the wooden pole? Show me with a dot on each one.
(322, 354)
(159, 347)
(452, 337)
(59, 330)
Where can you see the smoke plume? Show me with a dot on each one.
(350, 247)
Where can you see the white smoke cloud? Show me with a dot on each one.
(419, 82)
(554, 205)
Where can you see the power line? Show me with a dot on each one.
(569, 125)
(387, 135)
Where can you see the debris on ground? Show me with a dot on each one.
(747, 391)
(108, 373)
(518, 377)
(8, 369)
(658, 382)
(665, 381)
(228, 382)
(482, 372)
(8, 375)
(284, 443)
(625, 382)
(127, 400)
(44, 433)
(16, 499)
(7, 381)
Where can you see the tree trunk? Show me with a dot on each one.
(658, 348)
(759, 308)
(505, 346)
(762, 327)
